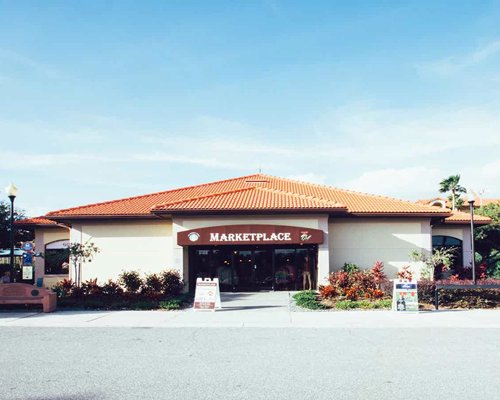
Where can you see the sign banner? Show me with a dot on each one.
(207, 294)
(27, 272)
(405, 295)
(249, 234)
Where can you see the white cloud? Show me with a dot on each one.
(405, 183)
(454, 64)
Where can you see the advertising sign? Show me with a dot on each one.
(27, 246)
(27, 272)
(28, 258)
(249, 234)
(404, 295)
(207, 294)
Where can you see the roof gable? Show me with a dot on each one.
(256, 192)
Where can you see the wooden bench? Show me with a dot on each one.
(22, 293)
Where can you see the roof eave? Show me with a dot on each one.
(99, 217)
(400, 214)
(466, 222)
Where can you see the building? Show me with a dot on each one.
(443, 202)
(253, 232)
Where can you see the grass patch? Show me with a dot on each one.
(363, 304)
(308, 299)
(170, 304)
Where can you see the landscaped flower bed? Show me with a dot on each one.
(352, 288)
(131, 291)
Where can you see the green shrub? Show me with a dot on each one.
(111, 289)
(308, 299)
(153, 285)
(170, 304)
(350, 268)
(171, 282)
(144, 304)
(131, 280)
(363, 304)
(346, 304)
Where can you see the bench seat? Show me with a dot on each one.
(22, 293)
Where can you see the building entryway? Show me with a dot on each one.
(272, 301)
(255, 268)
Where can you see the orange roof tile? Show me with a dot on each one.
(36, 221)
(252, 193)
(477, 201)
(459, 217)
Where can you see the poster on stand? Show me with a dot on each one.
(405, 296)
(207, 294)
(27, 273)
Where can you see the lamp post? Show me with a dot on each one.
(471, 199)
(11, 191)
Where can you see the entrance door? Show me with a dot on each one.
(253, 268)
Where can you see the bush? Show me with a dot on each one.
(350, 268)
(153, 285)
(308, 299)
(363, 304)
(111, 289)
(140, 293)
(131, 280)
(144, 304)
(64, 288)
(356, 284)
(171, 282)
(170, 304)
(91, 287)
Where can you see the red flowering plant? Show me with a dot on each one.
(356, 284)
(405, 273)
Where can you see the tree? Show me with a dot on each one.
(452, 184)
(21, 234)
(80, 253)
(487, 239)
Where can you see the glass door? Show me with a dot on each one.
(263, 269)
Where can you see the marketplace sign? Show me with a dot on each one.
(249, 234)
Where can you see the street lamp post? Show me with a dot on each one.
(11, 191)
(471, 200)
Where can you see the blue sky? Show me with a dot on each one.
(103, 100)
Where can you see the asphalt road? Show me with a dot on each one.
(250, 363)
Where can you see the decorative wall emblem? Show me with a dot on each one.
(304, 236)
(193, 236)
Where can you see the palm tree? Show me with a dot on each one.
(452, 184)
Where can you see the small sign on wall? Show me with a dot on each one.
(405, 295)
(27, 272)
(207, 294)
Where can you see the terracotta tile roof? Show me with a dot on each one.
(36, 221)
(252, 198)
(477, 202)
(253, 192)
(459, 217)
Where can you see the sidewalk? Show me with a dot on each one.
(247, 310)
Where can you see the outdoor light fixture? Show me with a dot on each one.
(471, 199)
(11, 191)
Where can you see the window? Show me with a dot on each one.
(57, 258)
(447, 242)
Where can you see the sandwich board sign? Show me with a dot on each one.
(207, 294)
(404, 295)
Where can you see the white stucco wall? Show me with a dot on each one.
(144, 245)
(363, 241)
(180, 255)
(43, 236)
(461, 232)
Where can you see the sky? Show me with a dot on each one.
(101, 100)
